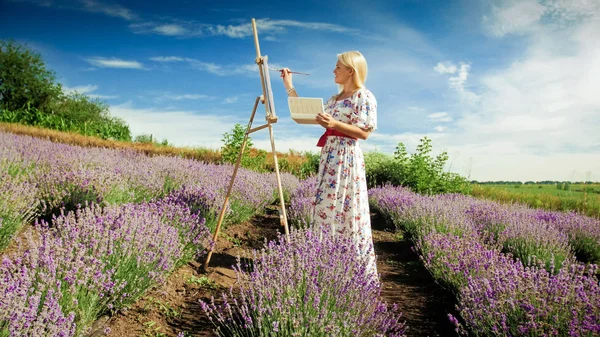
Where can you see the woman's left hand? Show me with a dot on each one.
(326, 121)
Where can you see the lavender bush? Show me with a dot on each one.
(17, 205)
(289, 183)
(530, 301)
(313, 285)
(521, 234)
(95, 260)
(141, 243)
(541, 293)
(419, 215)
(453, 260)
(583, 232)
(301, 208)
(67, 175)
(50, 288)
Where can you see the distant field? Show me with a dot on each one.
(584, 198)
(575, 190)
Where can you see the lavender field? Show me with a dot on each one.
(86, 232)
(514, 271)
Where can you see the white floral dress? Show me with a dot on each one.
(341, 199)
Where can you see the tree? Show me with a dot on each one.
(80, 108)
(24, 79)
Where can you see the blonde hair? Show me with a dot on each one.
(356, 61)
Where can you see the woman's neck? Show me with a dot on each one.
(349, 88)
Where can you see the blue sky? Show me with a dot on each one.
(507, 88)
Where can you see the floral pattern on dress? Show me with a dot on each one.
(341, 200)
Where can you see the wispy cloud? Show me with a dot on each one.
(87, 90)
(176, 27)
(104, 62)
(210, 67)
(113, 10)
(267, 27)
(528, 16)
(445, 68)
(206, 129)
(458, 80)
(167, 59)
(103, 96)
(179, 127)
(82, 89)
(230, 100)
(190, 97)
(535, 118)
(161, 96)
(171, 30)
(440, 117)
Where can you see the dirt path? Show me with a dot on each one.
(174, 307)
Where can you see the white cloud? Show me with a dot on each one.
(440, 128)
(86, 90)
(190, 96)
(82, 89)
(103, 96)
(187, 28)
(445, 68)
(514, 17)
(530, 16)
(536, 118)
(199, 128)
(284, 143)
(267, 28)
(170, 30)
(459, 80)
(179, 127)
(230, 100)
(167, 59)
(103, 62)
(166, 96)
(210, 67)
(440, 117)
(108, 9)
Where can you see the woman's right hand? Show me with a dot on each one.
(287, 78)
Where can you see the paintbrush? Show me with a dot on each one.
(291, 72)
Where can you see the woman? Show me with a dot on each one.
(341, 200)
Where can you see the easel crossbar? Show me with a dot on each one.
(259, 128)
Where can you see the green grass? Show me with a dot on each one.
(574, 191)
(583, 198)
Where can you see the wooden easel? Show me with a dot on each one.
(267, 99)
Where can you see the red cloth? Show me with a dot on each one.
(330, 132)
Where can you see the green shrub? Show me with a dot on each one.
(419, 171)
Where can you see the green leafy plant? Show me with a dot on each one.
(419, 171)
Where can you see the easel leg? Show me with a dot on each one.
(237, 165)
(283, 216)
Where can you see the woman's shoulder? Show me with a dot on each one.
(365, 94)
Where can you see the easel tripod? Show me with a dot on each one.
(267, 99)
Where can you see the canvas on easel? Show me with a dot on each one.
(271, 117)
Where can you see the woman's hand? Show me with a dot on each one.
(287, 78)
(326, 121)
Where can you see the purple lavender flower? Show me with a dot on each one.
(17, 205)
(313, 285)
